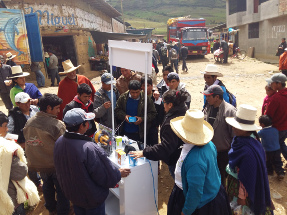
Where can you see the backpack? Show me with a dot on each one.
(232, 98)
(173, 54)
(163, 51)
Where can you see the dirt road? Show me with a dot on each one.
(246, 80)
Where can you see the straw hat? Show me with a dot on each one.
(46, 54)
(192, 128)
(68, 67)
(211, 69)
(17, 72)
(10, 56)
(244, 119)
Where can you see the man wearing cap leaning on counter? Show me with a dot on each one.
(277, 109)
(68, 86)
(215, 113)
(83, 170)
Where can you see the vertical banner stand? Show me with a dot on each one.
(134, 56)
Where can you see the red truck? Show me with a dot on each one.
(190, 32)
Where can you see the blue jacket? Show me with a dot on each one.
(200, 177)
(84, 172)
(270, 139)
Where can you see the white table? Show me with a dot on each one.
(135, 194)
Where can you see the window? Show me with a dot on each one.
(236, 6)
(256, 4)
(253, 30)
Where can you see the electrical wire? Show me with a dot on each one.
(153, 188)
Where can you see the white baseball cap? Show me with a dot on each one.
(22, 97)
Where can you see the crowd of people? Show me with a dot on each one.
(215, 156)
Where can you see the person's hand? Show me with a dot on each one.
(241, 201)
(182, 213)
(34, 101)
(139, 120)
(127, 118)
(8, 82)
(136, 154)
(107, 105)
(156, 95)
(124, 172)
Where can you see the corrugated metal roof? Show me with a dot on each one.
(104, 7)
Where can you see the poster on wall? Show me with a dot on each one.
(13, 36)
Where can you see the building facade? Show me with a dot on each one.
(261, 24)
(66, 25)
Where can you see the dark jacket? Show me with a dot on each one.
(169, 150)
(120, 111)
(224, 45)
(160, 113)
(11, 63)
(84, 172)
(76, 103)
(161, 87)
(216, 46)
(5, 71)
(184, 52)
(19, 123)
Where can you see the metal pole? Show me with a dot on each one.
(145, 104)
(112, 98)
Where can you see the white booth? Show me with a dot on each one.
(136, 194)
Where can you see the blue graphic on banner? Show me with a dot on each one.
(191, 22)
(194, 42)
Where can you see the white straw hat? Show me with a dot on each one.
(192, 128)
(17, 72)
(68, 67)
(211, 69)
(46, 54)
(244, 119)
(10, 56)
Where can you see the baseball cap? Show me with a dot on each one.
(279, 77)
(107, 78)
(213, 90)
(22, 97)
(77, 116)
(172, 75)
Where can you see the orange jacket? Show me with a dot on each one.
(283, 61)
(68, 90)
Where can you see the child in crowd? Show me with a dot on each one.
(270, 141)
(270, 92)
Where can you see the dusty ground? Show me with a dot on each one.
(245, 79)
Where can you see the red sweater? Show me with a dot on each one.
(277, 110)
(68, 90)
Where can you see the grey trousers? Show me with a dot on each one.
(6, 100)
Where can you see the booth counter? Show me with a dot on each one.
(137, 193)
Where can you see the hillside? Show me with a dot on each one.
(155, 13)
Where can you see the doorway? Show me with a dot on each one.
(63, 47)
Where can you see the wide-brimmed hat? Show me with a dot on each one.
(46, 54)
(244, 119)
(10, 56)
(68, 67)
(192, 128)
(211, 69)
(17, 72)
